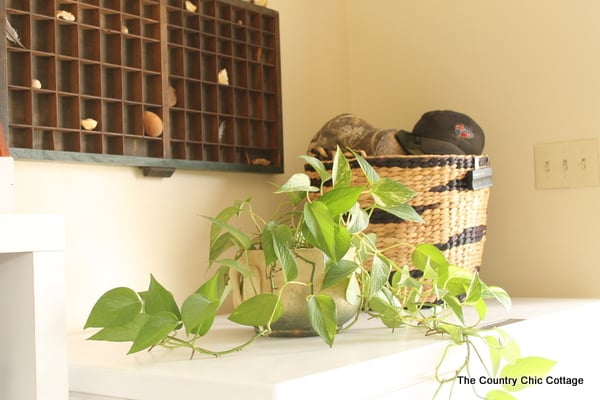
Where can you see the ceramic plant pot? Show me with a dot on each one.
(294, 321)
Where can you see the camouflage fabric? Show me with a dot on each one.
(350, 131)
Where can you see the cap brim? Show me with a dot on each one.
(410, 142)
(437, 146)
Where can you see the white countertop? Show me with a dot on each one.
(387, 362)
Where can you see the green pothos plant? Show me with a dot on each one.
(330, 218)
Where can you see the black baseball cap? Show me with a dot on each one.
(443, 132)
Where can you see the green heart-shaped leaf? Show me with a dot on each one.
(116, 307)
(322, 314)
(259, 310)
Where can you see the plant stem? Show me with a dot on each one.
(174, 342)
(258, 221)
(356, 316)
(312, 272)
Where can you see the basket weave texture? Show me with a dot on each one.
(455, 215)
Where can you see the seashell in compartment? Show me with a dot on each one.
(189, 6)
(261, 161)
(171, 97)
(223, 77)
(36, 84)
(89, 124)
(153, 125)
(65, 15)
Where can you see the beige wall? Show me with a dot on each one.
(525, 70)
(528, 72)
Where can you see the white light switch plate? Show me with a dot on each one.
(566, 164)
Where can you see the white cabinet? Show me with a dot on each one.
(33, 340)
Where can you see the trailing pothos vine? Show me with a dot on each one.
(440, 299)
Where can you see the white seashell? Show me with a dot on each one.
(124, 29)
(191, 7)
(221, 131)
(65, 15)
(223, 77)
(89, 124)
(261, 161)
(36, 84)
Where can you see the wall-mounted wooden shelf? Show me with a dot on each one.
(121, 58)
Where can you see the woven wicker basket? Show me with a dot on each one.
(455, 215)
